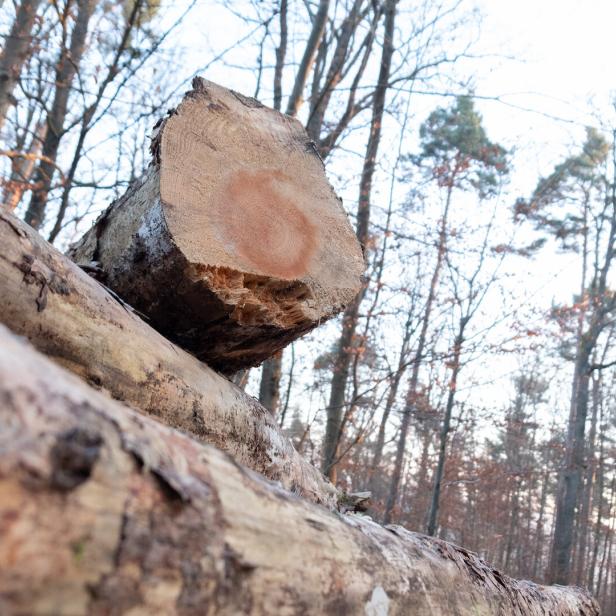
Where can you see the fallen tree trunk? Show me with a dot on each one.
(104, 511)
(234, 243)
(71, 318)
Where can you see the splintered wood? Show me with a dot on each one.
(234, 243)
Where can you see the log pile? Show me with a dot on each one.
(70, 317)
(145, 482)
(234, 244)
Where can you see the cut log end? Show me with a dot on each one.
(235, 243)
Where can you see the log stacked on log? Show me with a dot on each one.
(235, 243)
(70, 317)
(104, 511)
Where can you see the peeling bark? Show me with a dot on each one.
(70, 317)
(235, 243)
(105, 511)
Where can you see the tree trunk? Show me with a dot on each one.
(444, 435)
(269, 392)
(106, 511)
(379, 446)
(67, 68)
(316, 34)
(344, 349)
(539, 538)
(234, 244)
(587, 488)
(16, 49)
(562, 544)
(322, 95)
(72, 318)
(281, 52)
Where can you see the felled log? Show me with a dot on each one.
(70, 317)
(105, 511)
(234, 243)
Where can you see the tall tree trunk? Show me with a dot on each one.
(344, 348)
(562, 544)
(322, 95)
(539, 532)
(15, 51)
(281, 52)
(587, 488)
(444, 434)
(379, 446)
(67, 68)
(513, 525)
(88, 118)
(269, 391)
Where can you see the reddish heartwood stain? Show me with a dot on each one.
(267, 230)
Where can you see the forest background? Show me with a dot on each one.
(471, 387)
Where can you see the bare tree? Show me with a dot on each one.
(66, 69)
(16, 49)
(350, 318)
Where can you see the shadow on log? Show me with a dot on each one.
(105, 511)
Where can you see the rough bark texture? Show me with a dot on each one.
(105, 511)
(73, 319)
(234, 244)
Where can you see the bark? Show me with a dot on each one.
(104, 511)
(269, 391)
(234, 243)
(73, 319)
(15, 52)
(67, 68)
(335, 407)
